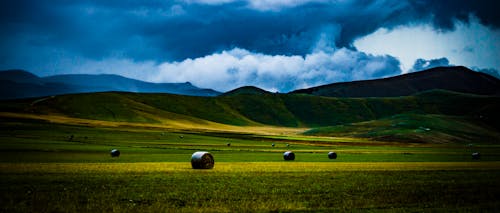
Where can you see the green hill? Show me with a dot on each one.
(248, 90)
(329, 115)
(416, 128)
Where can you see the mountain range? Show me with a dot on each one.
(457, 79)
(22, 84)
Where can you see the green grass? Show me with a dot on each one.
(418, 128)
(290, 110)
(428, 117)
(79, 187)
(23, 141)
(84, 178)
(392, 154)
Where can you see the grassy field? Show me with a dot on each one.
(64, 166)
(229, 187)
(394, 154)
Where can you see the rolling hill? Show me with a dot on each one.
(416, 128)
(427, 115)
(325, 114)
(249, 90)
(457, 79)
(22, 84)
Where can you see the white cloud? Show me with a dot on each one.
(238, 67)
(263, 5)
(210, 2)
(470, 45)
(277, 5)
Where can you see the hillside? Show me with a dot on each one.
(285, 110)
(457, 79)
(248, 90)
(449, 115)
(22, 84)
(416, 128)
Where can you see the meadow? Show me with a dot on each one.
(50, 166)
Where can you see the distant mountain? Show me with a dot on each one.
(22, 84)
(457, 79)
(248, 90)
(20, 76)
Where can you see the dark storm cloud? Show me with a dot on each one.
(90, 29)
(141, 39)
(444, 12)
(175, 30)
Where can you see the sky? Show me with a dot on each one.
(224, 44)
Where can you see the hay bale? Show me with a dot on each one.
(476, 155)
(228, 144)
(272, 145)
(289, 155)
(332, 155)
(115, 153)
(202, 160)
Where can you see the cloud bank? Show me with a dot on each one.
(239, 67)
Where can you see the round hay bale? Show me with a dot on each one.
(115, 153)
(332, 155)
(202, 160)
(228, 144)
(476, 155)
(289, 155)
(272, 145)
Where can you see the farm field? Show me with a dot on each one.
(56, 167)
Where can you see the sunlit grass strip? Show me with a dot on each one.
(306, 138)
(242, 167)
(352, 151)
(201, 125)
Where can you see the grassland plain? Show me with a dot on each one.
(394, 154)
(60, 167)
(230, 187)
